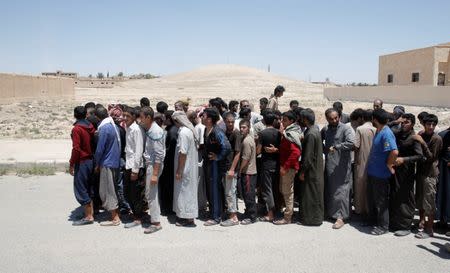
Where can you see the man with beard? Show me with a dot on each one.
(311, 172)
(402, 198)
(339, 142)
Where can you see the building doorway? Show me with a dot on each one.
(441, 79)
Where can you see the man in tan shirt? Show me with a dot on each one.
(248, 176)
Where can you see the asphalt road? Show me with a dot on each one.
(36, 235)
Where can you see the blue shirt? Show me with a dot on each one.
(383, 144)
(108, 151)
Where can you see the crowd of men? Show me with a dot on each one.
(197, 163)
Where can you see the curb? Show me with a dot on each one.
(20, 166)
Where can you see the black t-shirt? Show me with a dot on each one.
(235, 139)
(266, 137)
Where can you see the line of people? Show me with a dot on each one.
(198, 163)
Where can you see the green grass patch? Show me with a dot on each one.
(36, 171)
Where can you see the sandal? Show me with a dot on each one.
(211, 222)
(247, 221)
(423, 235)
(152, 229)
(282, 222)
(185, 223)
(265, 219)
(378, 231)
(110, 223)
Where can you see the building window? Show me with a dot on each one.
(390, 78)
(415, 77)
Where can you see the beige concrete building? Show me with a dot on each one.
(425, 66)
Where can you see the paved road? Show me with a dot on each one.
(37, 236)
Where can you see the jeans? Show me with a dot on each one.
(378, 200)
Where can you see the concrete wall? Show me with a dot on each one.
(438, 96)
(403, 64)
(20, 87)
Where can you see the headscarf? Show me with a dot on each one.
(116, 113)
(181, 118)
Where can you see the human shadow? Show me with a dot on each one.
(442, 253)
(76, 214)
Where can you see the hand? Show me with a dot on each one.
(391, 169)
(97, 169)
(283, 171)
(134, 176)
(178, 176)
(154, 180)
(71, 170)
(448, 164)
(230, 174)
(270, 149)
(332, 149)
(399, 161)
(212, 156)
(301, 177)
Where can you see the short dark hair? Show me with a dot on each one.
(228, 114)
(278, 89)
(422, 115)
(245, 112)
(430, 118)
(89, 105)
(79, 112)
(381, 116)
(215, 103)
(292, 102)
(297, 111)
(269, 117)
(290, 115)
(338, 107)
(232, 104)
(211, 113)
(145, 102)
(264, 101)
(147, 111)
(410, 117)
(368, 115)
(356, 114)
(161, 107)
(132, 110)
(309, 115)
(101, 112)
(329, 111)
(246, 121)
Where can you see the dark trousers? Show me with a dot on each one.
(118, 185)
(248, 184)
(215, 189)
(82, 185)
(378, 201)
(268, 177)
(133, 193)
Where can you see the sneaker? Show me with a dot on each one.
(229, 223)
(132, 224)
(401, 233)
(82, 222)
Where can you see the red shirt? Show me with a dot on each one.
(289, 154)
(82, 134)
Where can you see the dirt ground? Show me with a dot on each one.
(53, 118)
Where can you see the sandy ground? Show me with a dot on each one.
(53, 118)
(37, 236)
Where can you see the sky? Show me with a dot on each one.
(305, 40)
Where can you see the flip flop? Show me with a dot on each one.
(265, 219)
(423, 235)
(110, 223)
(82, 222)
(152, 229)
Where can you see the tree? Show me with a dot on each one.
(90, 76)
(120, 74)
(100, 75)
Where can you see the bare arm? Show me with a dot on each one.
(391, 160)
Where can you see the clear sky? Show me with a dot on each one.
(300, 39)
